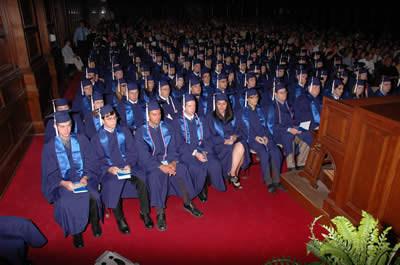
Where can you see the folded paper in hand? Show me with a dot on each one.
(305, 125)
(123, 174)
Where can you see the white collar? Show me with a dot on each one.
(110, 131)
(166, 99)
(187, 116)
(133, 102)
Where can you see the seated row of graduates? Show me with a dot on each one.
(166, 154)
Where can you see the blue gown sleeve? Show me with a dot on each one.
(101, 164)
(146, 159)
(50, 172)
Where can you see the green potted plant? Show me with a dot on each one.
(350, 245)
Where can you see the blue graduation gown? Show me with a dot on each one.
(254, 123)
(170, 107)
(71, 210)
(295, 90)
(110, 96)
(304, 112)
(132, 115)
(204, 106)
(280, 118)
(17, 233)
(77, 127)
(196, 138)
(92, 124)
(82, 104)
(159, 184)
(219, 131)
(112, 188)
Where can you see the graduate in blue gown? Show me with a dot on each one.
(115, 153)
(195, 149)
(359, 89)
(298, 87)
(207, 87)
(308, 106)
(132, 111)
(203, 104)
(158, 147)
(337, 89)
(77, 126)
(254, 129)
(170, 106)
(178, 86)
(16, 235)
(282, 126)
(67, 159)
(228, 143)
(113, 86)
(147, 89)
(82, 102)
(384, 87)
(93, 121)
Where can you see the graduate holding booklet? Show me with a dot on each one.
(69, 182)
(121, 176)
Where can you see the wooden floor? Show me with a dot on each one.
(312, 199)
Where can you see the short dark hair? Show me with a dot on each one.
(108, 114)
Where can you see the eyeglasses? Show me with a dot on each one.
(110, 118)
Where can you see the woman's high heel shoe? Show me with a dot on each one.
(235, 182)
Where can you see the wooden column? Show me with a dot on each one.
(20, 52)
(46, 49)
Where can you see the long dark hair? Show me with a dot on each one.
(228, 113)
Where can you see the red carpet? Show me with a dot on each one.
(239, 227)
(73, 86)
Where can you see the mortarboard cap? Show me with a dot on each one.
(61, 102)
(132, 85)
(153, 105)
(194, 81)
(86, 82)
(97, 96)
(251, 92)
(221, 76)
(117, 68)
(279, 86)
(60, 116)
(221, 96)
(106, 109)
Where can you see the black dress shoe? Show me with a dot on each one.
(300, 168)
(203, 195)
(279, 186)
(148, 223)
(96, 230)
(271, 189)
(192, 210)
(123, 226)
(78, 240)
(292, 169)
(161, 223)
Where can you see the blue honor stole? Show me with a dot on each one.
(165, 134)
(315, 110)
(185, 131)
(130, 116)
(246, 118)
(218, 126)
(63, 160)
(86, 104)
(106, 146)
(96, 121)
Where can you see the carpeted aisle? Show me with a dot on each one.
(239, 227)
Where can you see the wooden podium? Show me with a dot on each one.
(361, 139)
